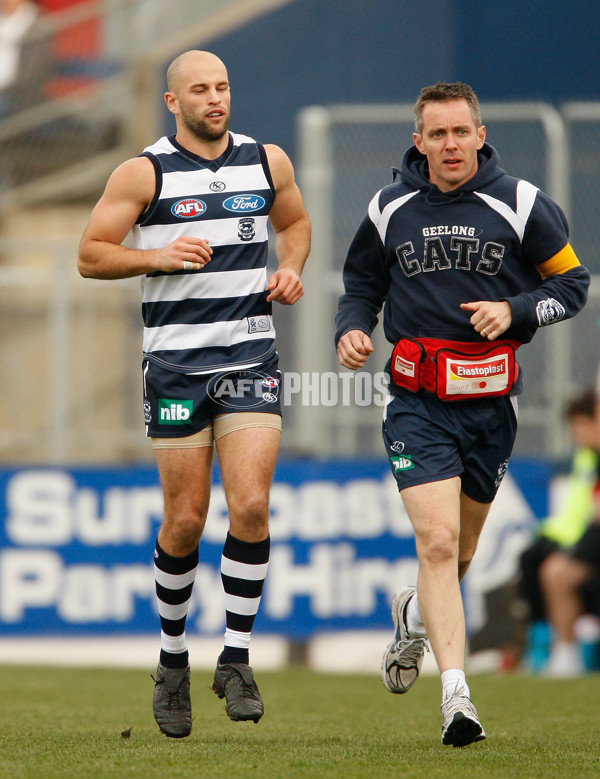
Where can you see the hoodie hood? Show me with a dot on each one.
(415, 173)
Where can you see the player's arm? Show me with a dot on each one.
(128, 192)
(562, 290)
(292, 229)
(367, 281)
(561, 294)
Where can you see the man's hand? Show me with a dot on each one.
(285, 286)
(187, 253)
(490, 318)
(353, 349)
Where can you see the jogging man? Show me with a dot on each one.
(198, 204)
(469, 262)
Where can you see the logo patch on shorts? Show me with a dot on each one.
(174, 412)
(403, 463)
(501, 472)
(243, 389)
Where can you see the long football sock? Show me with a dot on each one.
(243, 571)
(175, 578)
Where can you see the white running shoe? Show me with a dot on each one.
(403, 658)
(461, 723)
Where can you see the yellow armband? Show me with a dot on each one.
(563, 261)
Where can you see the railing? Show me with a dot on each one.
(71, 347)
(102, 103)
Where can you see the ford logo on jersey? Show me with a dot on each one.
(244, 203)
(188, 208)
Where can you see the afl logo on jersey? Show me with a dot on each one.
(188, 208)
(244, 203)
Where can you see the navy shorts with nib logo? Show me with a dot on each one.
(428, 440)
(181, 404)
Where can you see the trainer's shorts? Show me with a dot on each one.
(428, 440)
(178, 405)
(587, 549)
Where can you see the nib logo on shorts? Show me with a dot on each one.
(174, 412)
(403, 463)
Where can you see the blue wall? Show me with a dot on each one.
(540, 49)
(335, 51)
(331, 51)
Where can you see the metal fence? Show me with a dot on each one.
(71, 348)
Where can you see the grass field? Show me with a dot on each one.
(69, 723)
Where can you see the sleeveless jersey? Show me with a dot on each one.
(218, 317)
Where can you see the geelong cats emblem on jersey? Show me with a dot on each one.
(548, 311)
(246, 229)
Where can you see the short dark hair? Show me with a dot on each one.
(582, 405)
(443, 92)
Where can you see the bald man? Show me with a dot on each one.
(198, 204)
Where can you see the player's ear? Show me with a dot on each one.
(171, 101)
(418, 142)
(480, 136)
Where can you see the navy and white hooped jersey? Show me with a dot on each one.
(217, 317)
(423, 252)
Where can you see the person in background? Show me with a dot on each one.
(564, 528)
(24, 59)
(570, 574)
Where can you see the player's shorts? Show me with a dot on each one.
(428, 440)
(587, 549)
(180, 405)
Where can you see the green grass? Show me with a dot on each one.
(68, 723)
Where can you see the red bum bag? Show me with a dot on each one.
(455, 370)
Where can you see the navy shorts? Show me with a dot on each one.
(181, 404)
(587, 549)
(428, 439)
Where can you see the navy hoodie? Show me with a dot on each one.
(422, 252)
